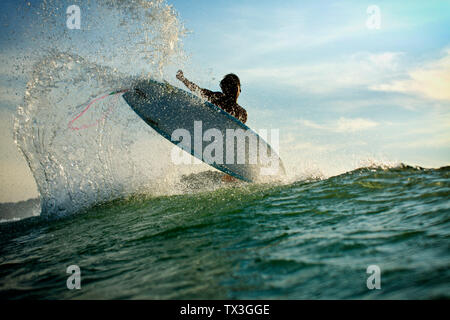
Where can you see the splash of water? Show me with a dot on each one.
(140, 36)
(119, 155)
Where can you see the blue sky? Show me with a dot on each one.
(342, 95)
(334, 87)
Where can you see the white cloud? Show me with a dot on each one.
(353, 125)
(16, 180)
(360, 69)
(310, 147)
(292, 143)
(342, 125)
(437, 141)
(431, 80)
(311, 124)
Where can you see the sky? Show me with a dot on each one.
(344, 92)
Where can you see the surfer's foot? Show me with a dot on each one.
(228, 178)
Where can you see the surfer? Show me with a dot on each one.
(226, 100)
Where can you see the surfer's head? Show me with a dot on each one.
(231, 85)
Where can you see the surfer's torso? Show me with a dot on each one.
(226, 103)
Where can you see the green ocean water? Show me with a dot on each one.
(310, 239)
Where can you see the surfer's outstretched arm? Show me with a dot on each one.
(207, 94)
(190, 85)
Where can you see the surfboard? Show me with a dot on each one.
(205, 131)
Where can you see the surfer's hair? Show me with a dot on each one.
(229, 84)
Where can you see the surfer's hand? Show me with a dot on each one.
(180, 75)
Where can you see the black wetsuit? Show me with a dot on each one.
(226, 103)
